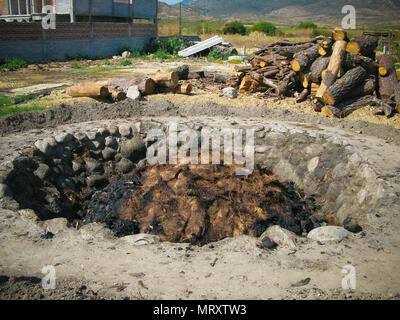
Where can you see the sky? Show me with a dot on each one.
(170, 1)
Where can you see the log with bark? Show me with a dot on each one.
(325, 46)
(353, 60)
(339, 34)
(303, 96)
(166, 79)
(388, 84)
(317, 67)
(88, 89)
(184, 88)
(344, 88)
(146, 85)
(304, 59)
(335, 63)
(363, 45)
(216, 77)
(345, 108)
(116, 94)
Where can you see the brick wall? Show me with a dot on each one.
(3, 7)
(30, 42)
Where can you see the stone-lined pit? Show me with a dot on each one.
(68, 174)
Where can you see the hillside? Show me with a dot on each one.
(369, 12)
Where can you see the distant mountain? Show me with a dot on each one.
(324, 12)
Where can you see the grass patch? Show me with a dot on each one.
(125, 62)
(4, 111)
(5, 101)
(13, 64)
(92, 70)
(74, 64)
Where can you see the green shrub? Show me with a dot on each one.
(136, 53)
(214, 55)
(320, 32)
(234, 27)
(125, 62)
(171, 45)
(13, 64)
(306, 25)
(161, 54)
(266, 27)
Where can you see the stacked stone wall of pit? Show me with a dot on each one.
(56, 175)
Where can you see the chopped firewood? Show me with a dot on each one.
(115, 94)
(329, 111)
(314, 89)
(305, 79)
(303, 96)
(386, 65)
(389, 83)
(248, 85)
(398, 74)
(184, 88)
(238, 69)
(344, 109)
(146, 85)
(317, 67)
(88, 89)
(335, 63)
(363, 45)
(304, 59)
(325, 47)
(339, 74)
(339, 34)
(317, 105)
(353, 60)
(195, 75)
(345, 86)
(166, 79)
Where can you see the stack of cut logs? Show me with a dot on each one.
(117, 89)
(338, 75)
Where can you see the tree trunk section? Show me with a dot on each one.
(304, 59)
(317, 67)
(386, 65)
(335, 63)
(88, 89)
(146, 85)
(339, 34)
(363, 45)
(115, 94)
(354, 60)
(344, 87)
(166, 79)
(184, 88)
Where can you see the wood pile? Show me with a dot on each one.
(117, 88)
(338, 75)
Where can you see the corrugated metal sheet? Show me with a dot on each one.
(201, 46)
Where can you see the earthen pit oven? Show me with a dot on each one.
(88, 176)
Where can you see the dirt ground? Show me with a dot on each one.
(92, 264)
(63, 73)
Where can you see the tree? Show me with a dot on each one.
(234, 27)
(266, 27)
